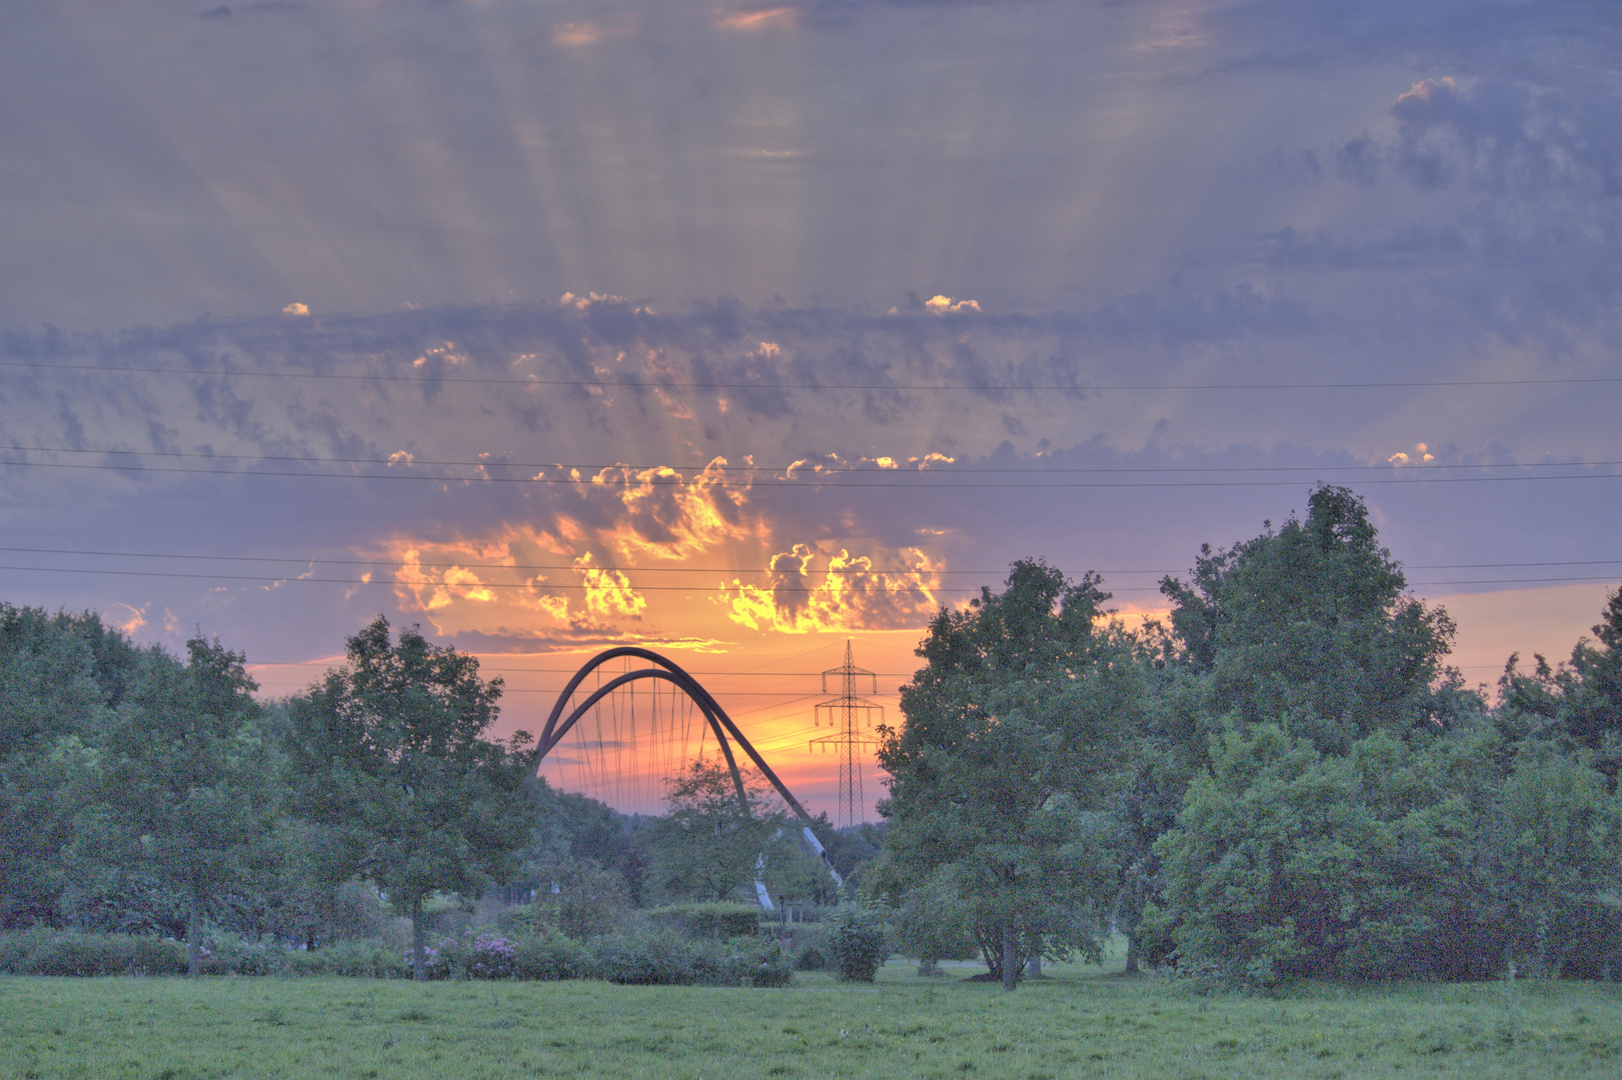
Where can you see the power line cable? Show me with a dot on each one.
(809, 468)
(810, 479)
(661, 384)
(307, 560)
(647, 588)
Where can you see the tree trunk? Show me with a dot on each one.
(1131, 954)
(1033, 966)
(194, 930)
(419, 942)
(1010, 961)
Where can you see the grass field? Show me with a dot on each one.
(1079, 1022)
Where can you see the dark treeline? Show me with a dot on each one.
(1283, 780)
(1286, 781)
(142, 793)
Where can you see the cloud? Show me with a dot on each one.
(609, 592)
(942, 305)
(760, 18)
(1507, 137)
(845, 594)
(126, 618)
(296, 309)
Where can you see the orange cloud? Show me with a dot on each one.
(942, 305)
(759, 18)
(609, 592)
(848, 595)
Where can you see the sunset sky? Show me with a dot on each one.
(741, 331)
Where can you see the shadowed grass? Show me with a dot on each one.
(1076, 1023)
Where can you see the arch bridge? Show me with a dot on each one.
(563, 719)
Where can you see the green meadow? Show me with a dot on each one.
(1077, 1022)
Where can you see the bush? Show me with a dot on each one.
(859, 943)
(471, 956)
(646, 958)
(551, 957)
(660, 958)
(68, 952)
(227, 954)
(712, 920)
(352, 959)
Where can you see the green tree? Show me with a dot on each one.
(395, 769)
(51, 703)
(710, 843)
(1308, 627)
(1578, 705)
(1012, 734)
(187, 779)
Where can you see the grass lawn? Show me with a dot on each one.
(1080, 1022)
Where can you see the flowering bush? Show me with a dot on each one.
(472, 956)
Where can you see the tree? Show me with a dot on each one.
(1012, 731)
(1578, 705)
(51, 706)
(187, 778)
(395, 769)
(1308, 627)
(711, 843)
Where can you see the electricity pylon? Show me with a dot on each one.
(848, 714)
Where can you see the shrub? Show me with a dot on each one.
(227, 954)
(472, 956)
(859, 943)
(352, 959)
(68, 952)
(660, 958)
(713, 920)
(551, 957)
(647, 957)
(934, 925)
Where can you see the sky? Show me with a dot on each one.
(744, 331)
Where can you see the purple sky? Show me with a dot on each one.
(1096, 282)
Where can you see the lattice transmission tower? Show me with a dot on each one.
(849, 715)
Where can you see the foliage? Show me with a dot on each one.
(393, 763)
(55, 952)
(859, 942)
(473, 955)
(355, 959)
(576, 897)
(60, 677)
(660, 958)
(711, 920)
(935, 924)
(1013, 730)
(718, 831)
(552, 956)
(1308, 627)
(184, 778)
(1577, 706)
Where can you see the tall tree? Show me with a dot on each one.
(395, 768)
(59, 675)
(711, 844)
(1578, 704)
(188, 778)
(1010, 732)
(1308, 627)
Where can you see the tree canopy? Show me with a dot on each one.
(394, 764)
(1011, 732)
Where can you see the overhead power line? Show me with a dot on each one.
(438, 379)
(551, 586)
(307, 560)
(810, 469)
(887, 479)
